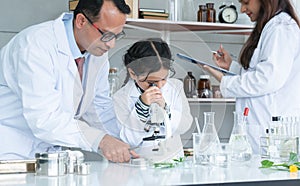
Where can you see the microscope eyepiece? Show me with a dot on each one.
(152, 85)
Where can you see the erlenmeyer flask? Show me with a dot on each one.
(209, 142)
(240, 147)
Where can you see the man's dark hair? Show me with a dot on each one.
(91, 8)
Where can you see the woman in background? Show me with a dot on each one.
(148, 63)
(270, 60)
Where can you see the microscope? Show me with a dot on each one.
(165, 147)
(157, 116)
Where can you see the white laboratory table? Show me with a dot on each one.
(115, 174)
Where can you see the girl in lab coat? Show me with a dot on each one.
(270, 60)
(148, 63)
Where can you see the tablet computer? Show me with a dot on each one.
(195, 61)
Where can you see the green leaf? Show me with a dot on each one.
(281, 165)
(181, 159)
(297, 163)
(293, 158)
(266, 163)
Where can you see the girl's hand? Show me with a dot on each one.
(222, 58)
(153, 95)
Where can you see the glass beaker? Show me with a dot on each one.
(240, 147)
(223, 157)
(209, 141)
(196, 148)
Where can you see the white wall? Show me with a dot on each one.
(18, 14)
(297, 6)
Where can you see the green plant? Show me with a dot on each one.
(289, 166)
(169, 164)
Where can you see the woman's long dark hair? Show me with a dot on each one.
(268, 9)
(148, 56)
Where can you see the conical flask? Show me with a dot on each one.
(240, 147)
(209, 142)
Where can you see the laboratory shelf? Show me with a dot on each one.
(182, 26)
(211, 100)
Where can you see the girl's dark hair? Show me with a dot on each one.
(148, 56)
(92, 7)
(268, 9)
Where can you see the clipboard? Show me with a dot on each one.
(195, 61)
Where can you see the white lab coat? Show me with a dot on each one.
(270, 86)
(41, 92)
(132, 128)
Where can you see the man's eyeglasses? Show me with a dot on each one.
(106, 36)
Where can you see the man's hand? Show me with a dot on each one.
(116, 150)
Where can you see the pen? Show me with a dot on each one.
(217, 52)
(222, 54)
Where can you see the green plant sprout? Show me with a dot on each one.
(292, 165)
(169, 164)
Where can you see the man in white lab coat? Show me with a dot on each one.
(44, 101)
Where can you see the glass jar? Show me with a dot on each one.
(216, 91)
(51, 164)
(202, 13)
(114, 81)
(211, 13)
(189, 84)
(204, 90)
